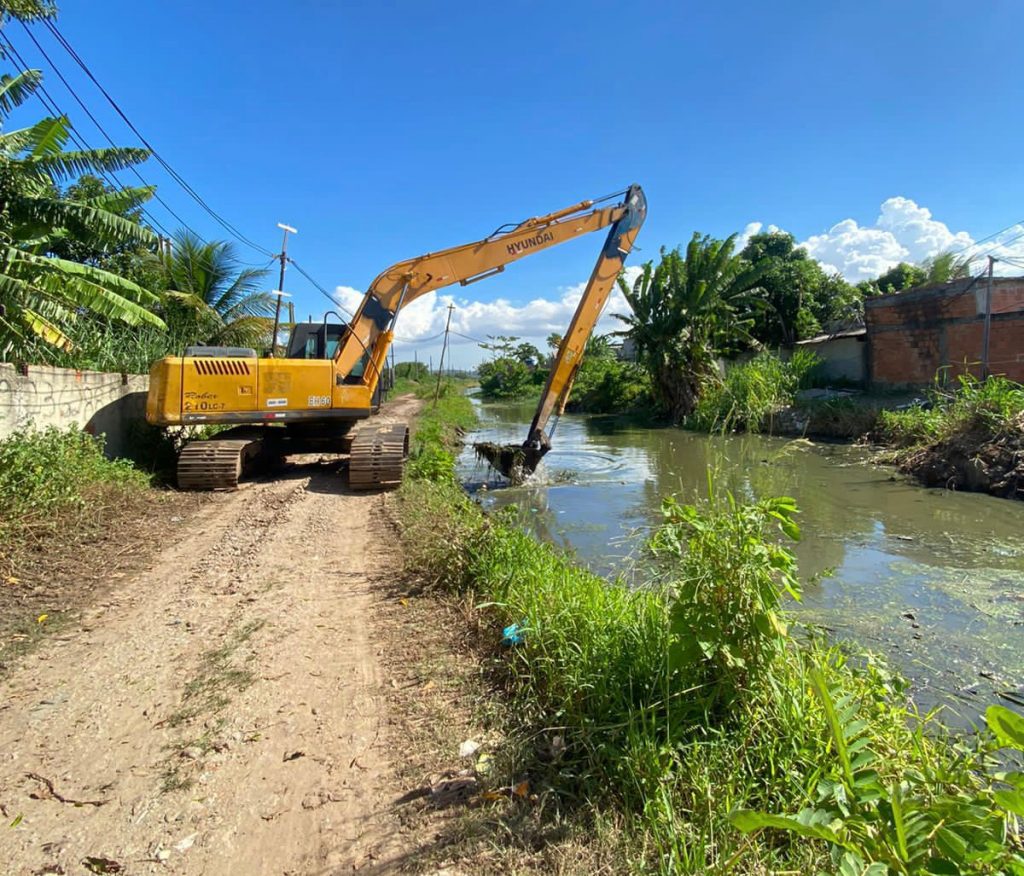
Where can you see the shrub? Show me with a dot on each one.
(909, 426)
(44, 473)
(604, 385)
(505, 378)
(751, 392)
(993, 407)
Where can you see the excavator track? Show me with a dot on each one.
(378, 456)
(215, 464)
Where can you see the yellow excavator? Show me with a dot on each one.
(319, 398)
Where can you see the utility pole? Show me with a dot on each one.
(444, 346)
(988, 322)
(280, 283)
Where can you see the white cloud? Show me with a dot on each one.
(903, 232)
(421, 321)
(856, 252)
(749, 231)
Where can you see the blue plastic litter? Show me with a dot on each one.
(513, 634)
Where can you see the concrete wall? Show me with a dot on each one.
(843, 357)
(911, 335)
(107, 404)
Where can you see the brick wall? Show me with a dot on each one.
(911, 335)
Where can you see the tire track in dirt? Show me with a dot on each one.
(225, 705)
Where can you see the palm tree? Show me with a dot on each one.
(946, 266)
(213, 297)
(39, 293)
(685, 311)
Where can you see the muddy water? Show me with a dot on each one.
(931, 578)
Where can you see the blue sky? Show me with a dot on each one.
(385, 129)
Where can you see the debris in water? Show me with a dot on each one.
(514, 461)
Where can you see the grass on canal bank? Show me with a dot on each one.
(969, 437)
(687, 713)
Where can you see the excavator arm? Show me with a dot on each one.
(570, 352)
(371, 330)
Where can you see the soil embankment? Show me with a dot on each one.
(223, 710)
(973, 461)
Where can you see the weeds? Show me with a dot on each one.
(751, 393)
(991, 408)
(222, 672)
(49, 472)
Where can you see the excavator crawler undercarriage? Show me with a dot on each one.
(377, 455)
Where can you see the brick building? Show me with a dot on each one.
(912, 334)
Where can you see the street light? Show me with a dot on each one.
(280, 283)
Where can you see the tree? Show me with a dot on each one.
(946, 267)
(528, 354)
(504, 378)
(212, 297)
(902, 276)
(797, 298)
(687, 310)
(40, 294)
(935, 270)
(27, 10)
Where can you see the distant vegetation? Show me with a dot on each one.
(691, 309)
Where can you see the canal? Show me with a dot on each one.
(933, 579)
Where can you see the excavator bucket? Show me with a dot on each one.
(515, 461)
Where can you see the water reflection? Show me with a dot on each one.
(934, 578)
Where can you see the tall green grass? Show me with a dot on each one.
(990, 408)
(751, 392)
(684, 705)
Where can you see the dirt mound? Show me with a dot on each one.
(972, 461)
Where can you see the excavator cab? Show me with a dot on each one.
(314, 340)
(320, 340)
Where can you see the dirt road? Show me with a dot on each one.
(222, 712)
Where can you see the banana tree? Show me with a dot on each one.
(39, 293)
(686, 311)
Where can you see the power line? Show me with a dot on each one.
(1001, 244)
(106, 136)
(51, 106)
(985, 239)
(468, 338)
(177, 177)
(319, 288)
(419, 340)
